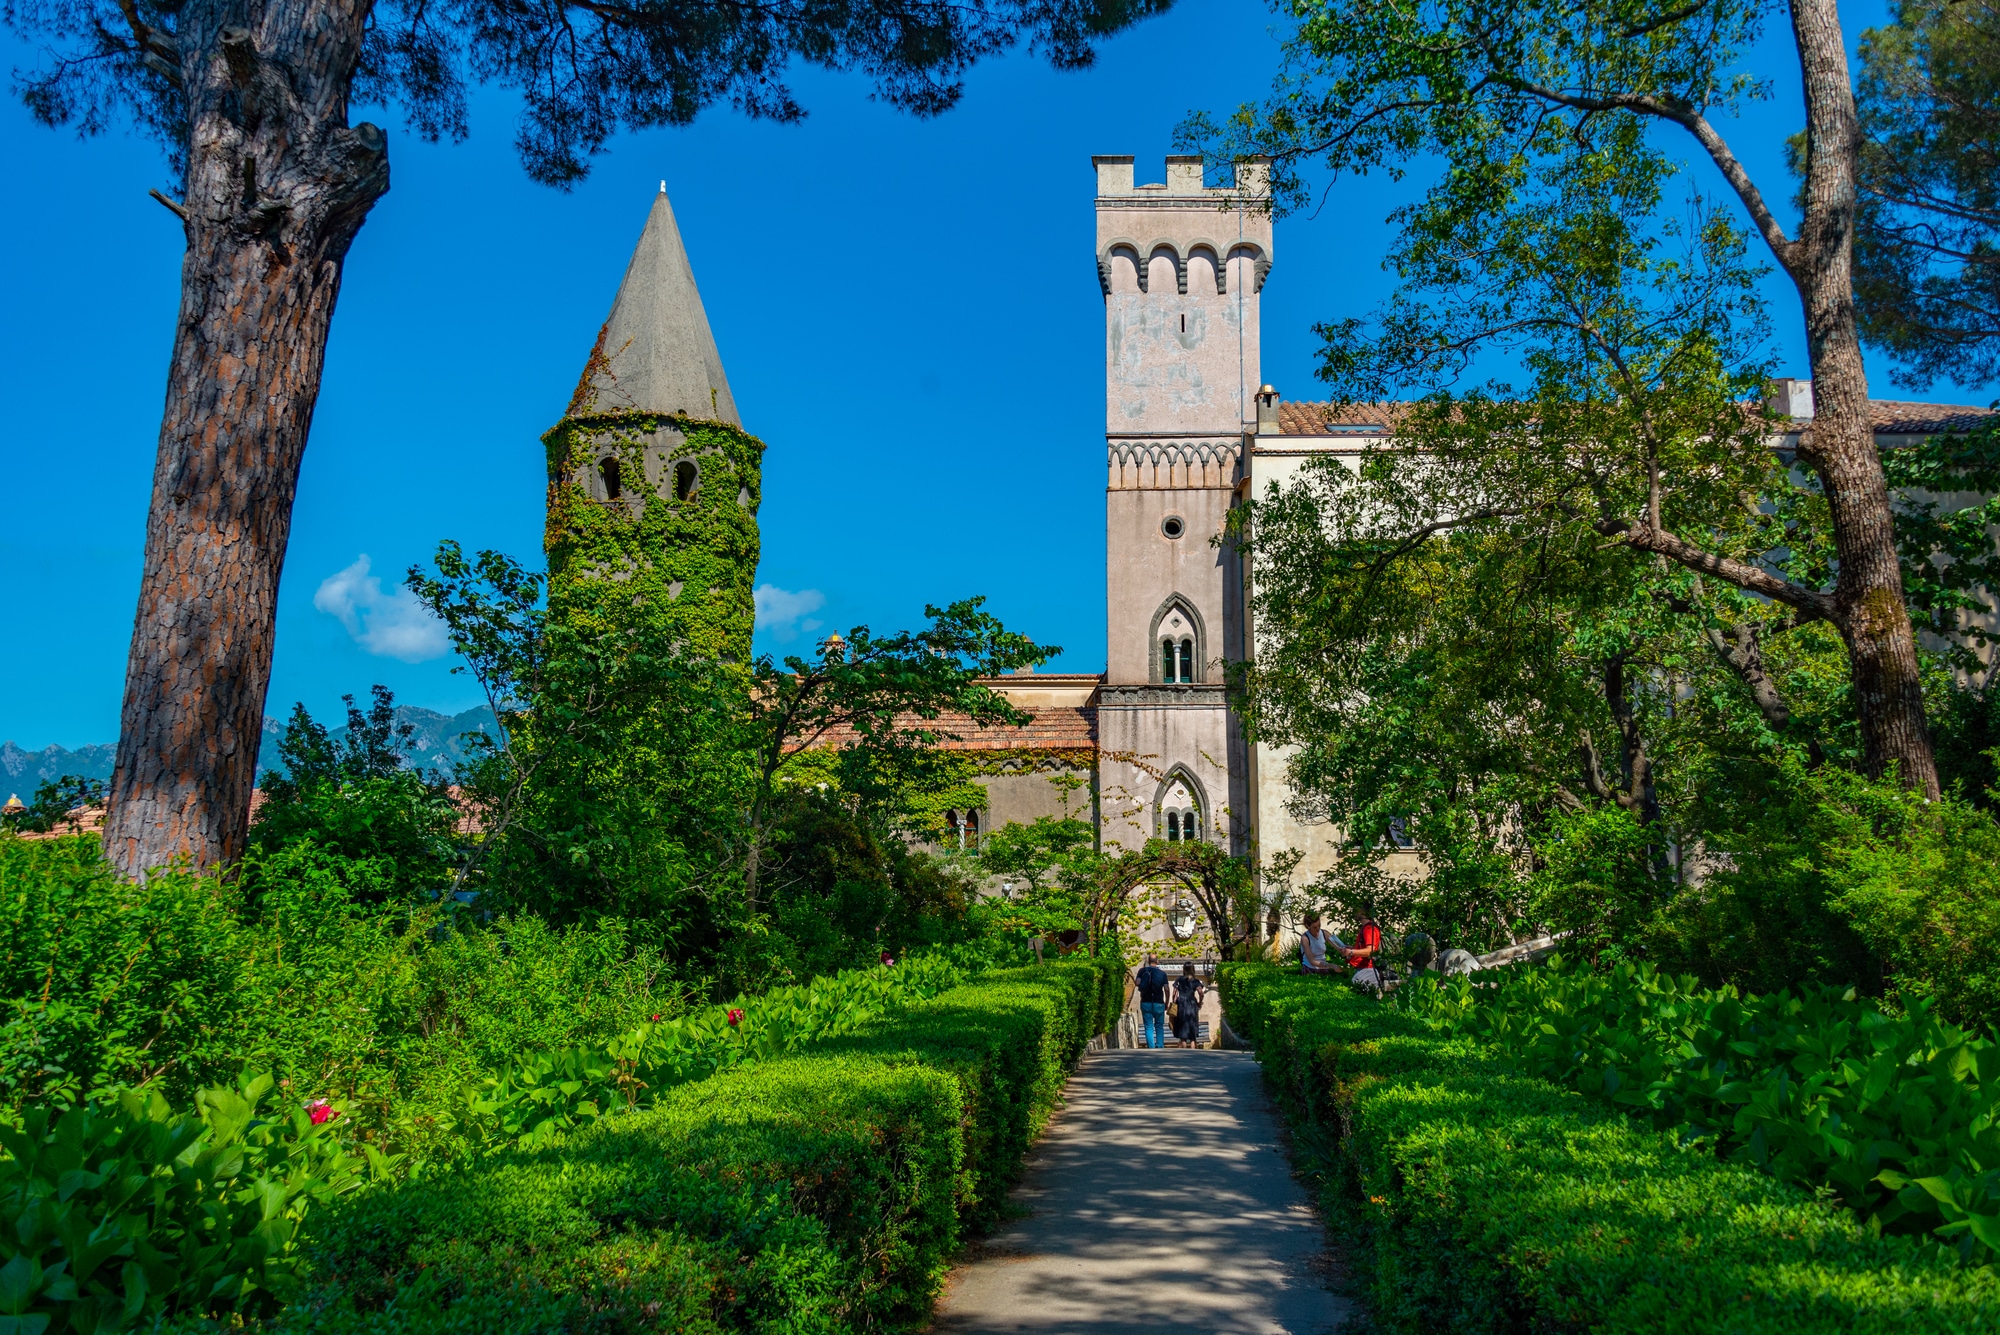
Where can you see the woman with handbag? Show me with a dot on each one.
(1188, 993)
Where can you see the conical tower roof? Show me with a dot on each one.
(656, 354)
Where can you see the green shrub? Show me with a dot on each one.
(182, 982)
(823, 1191)
(548, 1093)
(1847, 881)
(1479, 1197)
(121, 1212)
(1897, 1114)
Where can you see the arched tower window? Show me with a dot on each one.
(1179, 806)
(1182, 640)
(685, 475)
(607, 468)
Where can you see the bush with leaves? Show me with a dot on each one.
(321, 978)
(1474, 1194)
(359, 797)
(1899, 1115)
(549, 1093)
(122, 1212)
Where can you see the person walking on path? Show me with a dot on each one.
(1188, 993)
(1152, 983)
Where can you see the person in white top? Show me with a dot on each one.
(1316, 945)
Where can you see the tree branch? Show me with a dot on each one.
(1810, 604)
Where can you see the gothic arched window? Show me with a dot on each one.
(969, 832)
(1179, 808)
(1177, 630)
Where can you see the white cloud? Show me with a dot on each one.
(394, 625)
(783, 613)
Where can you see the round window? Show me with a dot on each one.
(1173, 526)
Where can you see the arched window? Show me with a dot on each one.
(685, 474)
(1179, 808)
(1177, 630)
(969, 832)
(607, 468)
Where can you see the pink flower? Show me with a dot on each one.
(320, 1111)
(887, 958)
(735, 1016)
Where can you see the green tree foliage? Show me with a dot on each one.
(1927, 249)
(1050, 869)
(613, 782)
(1555, 237)
(358, 797)
(583, 71)
(881, 705)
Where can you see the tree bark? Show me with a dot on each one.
(278, 185)
(1839, 445)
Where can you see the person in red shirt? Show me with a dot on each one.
(1367, 945)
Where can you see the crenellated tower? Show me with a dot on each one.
(653, 483)
(1182, 266)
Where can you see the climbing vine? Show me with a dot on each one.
(653, 516)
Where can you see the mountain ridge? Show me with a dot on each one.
(436, 744)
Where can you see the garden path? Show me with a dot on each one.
(1160, 1201)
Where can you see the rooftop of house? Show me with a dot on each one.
(1893, 417)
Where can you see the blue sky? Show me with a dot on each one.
(908, 312)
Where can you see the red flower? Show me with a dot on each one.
(656, 1019)
(735, 1016)
(320, 1111)
(887, 958)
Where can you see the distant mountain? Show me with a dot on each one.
(436, 744)
(24, 771)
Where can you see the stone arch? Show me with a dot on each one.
(1112, 249)
(1214, 254)
(1179, 778)
(1174, 256)
(1161, 626)
(1260, 262)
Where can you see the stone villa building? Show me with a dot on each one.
(1190, 430)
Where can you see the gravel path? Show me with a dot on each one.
(1159, 1201)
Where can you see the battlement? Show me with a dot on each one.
(1184, 179)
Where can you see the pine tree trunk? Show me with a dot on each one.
(1840, 444)
(278, 185)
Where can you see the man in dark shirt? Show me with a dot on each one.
(1152, 984)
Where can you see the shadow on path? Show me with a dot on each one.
(1161, 1202)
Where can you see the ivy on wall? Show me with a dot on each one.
(654, 516)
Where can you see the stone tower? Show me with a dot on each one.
(653, 483)
(1181, 266)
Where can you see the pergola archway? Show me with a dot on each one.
(1222, 887)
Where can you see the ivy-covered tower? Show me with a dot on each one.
(653, 483)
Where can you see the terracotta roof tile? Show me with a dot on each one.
(1053, 728)
(1892, 416)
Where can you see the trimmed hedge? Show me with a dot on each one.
(1477, 1198)
(823, 1192)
